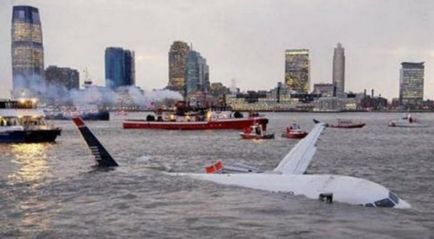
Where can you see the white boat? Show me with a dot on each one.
(406, 121)
(22, 122)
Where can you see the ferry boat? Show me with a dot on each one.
(22, 122)
(294, 132)
(406, 121)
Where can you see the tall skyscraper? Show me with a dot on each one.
(119, 67)
(297, 70)
(63, 77)
(27, 52)
(411, 84)
(339, 70)
(196, 73)
(177, 60)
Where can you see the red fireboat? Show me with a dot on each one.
(294, 132)
(229, 123)
(202, 119)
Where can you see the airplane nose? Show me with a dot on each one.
(402, 204)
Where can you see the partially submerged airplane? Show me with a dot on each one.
(102, 157)
(287, 177)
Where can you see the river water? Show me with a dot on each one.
(53, 190)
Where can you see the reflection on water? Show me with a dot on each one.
(31, 161)
(32, 169)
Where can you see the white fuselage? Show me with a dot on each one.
(345, 189)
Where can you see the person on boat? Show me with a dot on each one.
(294, 126)
(410, 119)
(289, 129)
(159, 114)
(258, 129)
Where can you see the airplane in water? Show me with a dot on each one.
(288, 177)
(102, 157)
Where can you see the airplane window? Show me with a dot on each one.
(384, 203)
(393, 197)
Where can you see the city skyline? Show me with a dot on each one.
(242, 41)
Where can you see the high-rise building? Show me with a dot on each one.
(196, 73)
(217, 89)
(177, 60)
(119, 67)
(297, 70)
(27, 52)
(339, 70)
(411, 84)
(325, 89)
(63, 77)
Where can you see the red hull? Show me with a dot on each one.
(294, 135)
(253, 136)
(234, 123)
(352, 126)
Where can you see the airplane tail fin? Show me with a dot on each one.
(300, 156)
(102, 157)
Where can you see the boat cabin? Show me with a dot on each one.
(21, 112)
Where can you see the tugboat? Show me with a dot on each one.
(22, 122)
(294, 132)
(406, 121)
(255, 131)
(185, 118)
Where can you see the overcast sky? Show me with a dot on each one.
(241, 39)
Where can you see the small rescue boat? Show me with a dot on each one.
(255, 132)
(347, 124)
(406, 121)
(294, 132)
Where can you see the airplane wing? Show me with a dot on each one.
(300, 156)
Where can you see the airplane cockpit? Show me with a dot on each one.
(390, 201)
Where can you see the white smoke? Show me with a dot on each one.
(123, 96)
(93, 95)
(29, 86)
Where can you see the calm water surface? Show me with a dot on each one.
(52, 190)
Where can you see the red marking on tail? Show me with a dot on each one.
(214, 168)
(78, 121)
